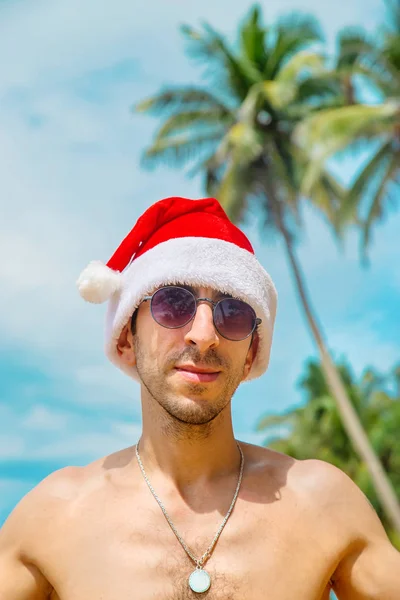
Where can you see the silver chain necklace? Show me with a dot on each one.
(199, 579)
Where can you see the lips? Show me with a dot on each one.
(197, 374)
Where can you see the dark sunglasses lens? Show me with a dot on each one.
(173, 307)
(234, 319)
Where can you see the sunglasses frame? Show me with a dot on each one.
(257, 320)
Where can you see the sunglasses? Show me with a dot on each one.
(173, 307)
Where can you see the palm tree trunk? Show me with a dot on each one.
(351, 422)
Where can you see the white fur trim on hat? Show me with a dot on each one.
(195, 261)
(97, 283)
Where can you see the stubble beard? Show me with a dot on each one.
(183, 417)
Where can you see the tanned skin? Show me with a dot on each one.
(96, 533)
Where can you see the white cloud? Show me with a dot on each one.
(104, 384)
(40, 418)
(130, 432)
(86, 447)
(73, 446)
(11, 446)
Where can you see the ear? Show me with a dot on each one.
(126, 347)
(251, 354)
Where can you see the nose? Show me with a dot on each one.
(202, 332)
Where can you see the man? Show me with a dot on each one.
(189, 512)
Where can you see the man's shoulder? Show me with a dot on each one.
(308, 472)
(325, 484)
(63, 486)
(28, 529)
(44, 501)
(58, 488)
(317, 482)
(49, 502)
(331, 488)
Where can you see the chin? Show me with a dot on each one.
(194, 417)
(192, 407)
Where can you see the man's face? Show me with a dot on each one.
(166, 358)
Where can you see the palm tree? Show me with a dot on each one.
(314, 429)
(359, 126)
(238, 132)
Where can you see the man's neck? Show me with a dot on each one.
(190, 456)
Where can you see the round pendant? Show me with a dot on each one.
(199, 581)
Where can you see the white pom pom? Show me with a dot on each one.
(97, 283)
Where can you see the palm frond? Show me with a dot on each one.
(303, 63)
(330, 131)
(240, 148)
(353, 44)
(301, 26)
(175, 98)
(316, 93)
(252, 39)
(327, 195)
(256, 100)
(291, 34)
(285, 154)
(210, 48)
(269, 421)
(193, 119)
(180, 149)
(391, 50)
(233, 190)
(207, 164)
(281, 444)
(390, 179)
(244, 142)
(339, 127)
(267, 95)
(349, 209)
(381, 69)
(359, 54)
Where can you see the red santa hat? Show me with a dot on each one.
(181, 241)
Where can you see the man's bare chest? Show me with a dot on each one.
(136, 556)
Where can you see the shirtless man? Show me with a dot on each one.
(297, 528)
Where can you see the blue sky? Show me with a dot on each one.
(72, 187)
